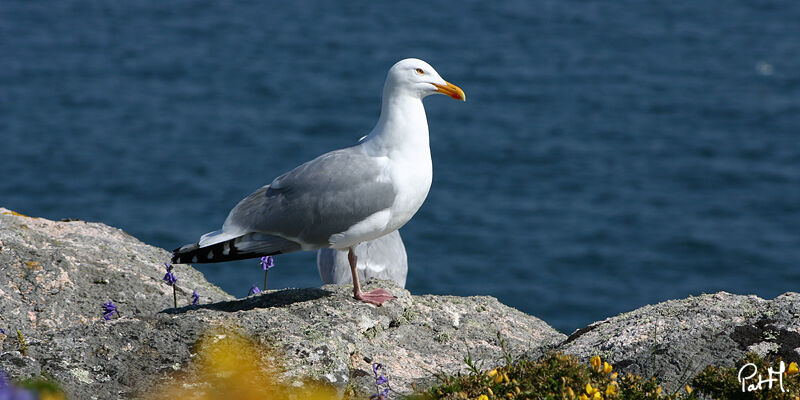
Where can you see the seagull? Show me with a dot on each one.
(382, 258)
(345, 197)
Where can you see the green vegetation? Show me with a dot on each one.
(723, 383)
(557, 376)
(44, 386)
(23, 347)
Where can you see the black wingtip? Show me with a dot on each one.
(220, 252)
(185, 250)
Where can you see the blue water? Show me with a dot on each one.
(610, 155)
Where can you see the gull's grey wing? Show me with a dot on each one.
(310, 203)
(382, 258)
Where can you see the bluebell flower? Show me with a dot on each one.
(2, 331)
(267, 262)
(108, 310)
(254, 290)
(195, 297)
(170, 277)
(380, 394)
(9, 392)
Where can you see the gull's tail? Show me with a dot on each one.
(251, 245)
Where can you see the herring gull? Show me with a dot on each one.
(344, 197)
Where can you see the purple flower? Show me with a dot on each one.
(108, 310)
(379, 381)
(170, 277)
(254, 290)
(9, 392)
(267, 262)
(195, 297)
(2, 331)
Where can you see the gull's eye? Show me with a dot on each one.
(419, 71)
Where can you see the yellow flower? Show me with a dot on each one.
(491, 393)
(492, 372)
(483, 397)
(597, 396)
(571, 393)
(614, 376)
(498, 378)
(516, 389)
(611, 390)
(589, 389)
(48, 395)
(227, 363)
(792, 368)
(607, 368)
(583, 397)
(596, 362)
(688, 389)
(505, 378)
(658, 391)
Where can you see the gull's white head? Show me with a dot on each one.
(417, 78)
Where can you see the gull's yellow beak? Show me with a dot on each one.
(451, 90)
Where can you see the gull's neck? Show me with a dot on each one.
(402, 128)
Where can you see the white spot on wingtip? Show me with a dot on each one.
(194, 259)
(210, 254)
(226, 249)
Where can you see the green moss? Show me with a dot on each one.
(314, 335)
(373, 332)
(442, 337)
(409, 315)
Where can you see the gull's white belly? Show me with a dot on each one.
(412, 181)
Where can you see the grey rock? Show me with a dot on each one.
(412, 336)
(24, 365)
(676, 339)
(54, 276)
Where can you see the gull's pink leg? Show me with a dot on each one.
(377, 296)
